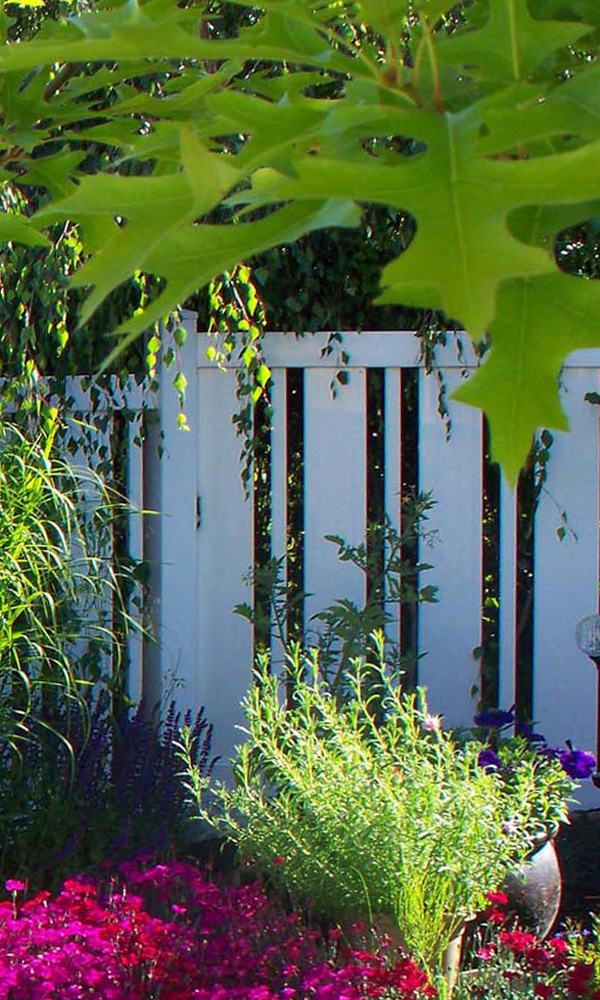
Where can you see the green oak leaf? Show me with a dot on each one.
(160, 30)
(54, 173)
(20, 230)
(196, 254)
(567, 10)
(463, 247)
(511, 45)
(539, 322)
(570, 108)
(152, 210)
(539, 225)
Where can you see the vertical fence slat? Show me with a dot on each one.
(225, 553)
(566, 577)
(393, 458)
(508, 584)
(135, 545)
(451, 629)
(178, 537)
(335, 486)
(277, 391)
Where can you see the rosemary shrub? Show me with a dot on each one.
(361, 815)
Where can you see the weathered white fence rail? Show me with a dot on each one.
(202, 544)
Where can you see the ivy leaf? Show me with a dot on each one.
(25, 3)
(539, 322)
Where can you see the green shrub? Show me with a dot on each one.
(363, 815)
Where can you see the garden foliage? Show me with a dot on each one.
(480, 120)
(368, 807)
(95, 792)
(61, 598)
(508, 962)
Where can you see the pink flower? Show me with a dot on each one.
(15, 885)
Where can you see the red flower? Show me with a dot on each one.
(538, 959)
(278, 861)
(516, 941)
(497, 897)
(542, 990)
(578, 979)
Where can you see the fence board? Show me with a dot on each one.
(335, 490)
(178, 538)
(135, 545)
(393, 465)
(508, 583)
(277, 392)
(225, 552)
(451, 629)
(566, 577)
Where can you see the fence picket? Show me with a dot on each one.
(335, 490)
(279, 485)
(222, 670)
(508, 583)
(451, 629)
(393, 465)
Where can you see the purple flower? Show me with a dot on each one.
(577, 763)
(489, 760)
(495, 718)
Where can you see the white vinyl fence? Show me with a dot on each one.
(202, 544)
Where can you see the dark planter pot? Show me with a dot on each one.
(534, 894)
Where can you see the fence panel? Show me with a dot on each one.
(566, 576)
(217, 665)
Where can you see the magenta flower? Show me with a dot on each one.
(200, 941)
(15, 885)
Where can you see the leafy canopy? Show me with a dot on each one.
(481, 120)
